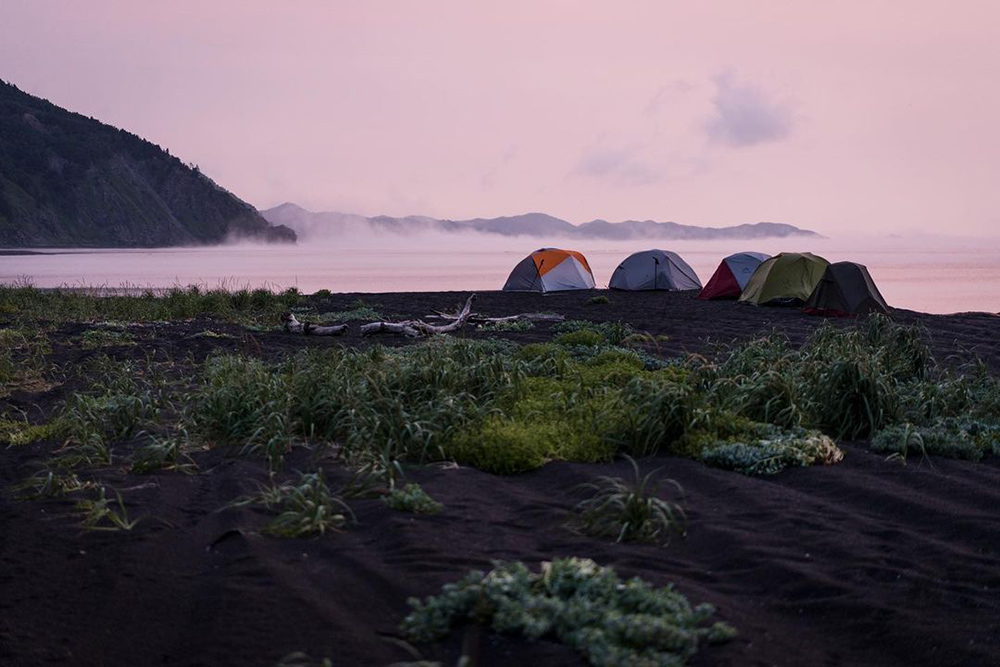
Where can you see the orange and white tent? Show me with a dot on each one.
(550, 270)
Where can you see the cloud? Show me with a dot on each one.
(744, 116)
(622, 165)
(665, 92)
(489, 177)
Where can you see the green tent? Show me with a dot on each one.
(784, 280)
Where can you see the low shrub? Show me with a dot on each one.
(411, 498)
(769, 456)
(613, 333)
(577, 603)
(584, 337)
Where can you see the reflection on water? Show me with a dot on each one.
(937, 277)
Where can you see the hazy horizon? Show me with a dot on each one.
(837, 118)
(920, 274)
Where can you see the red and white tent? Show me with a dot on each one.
(732, 275)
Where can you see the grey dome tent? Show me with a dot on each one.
(846, 288)
(654, 270)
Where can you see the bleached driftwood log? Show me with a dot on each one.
(416, 328)
(476, 318)
(292, 325)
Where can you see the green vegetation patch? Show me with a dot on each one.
(25, 303)
(393, 404)
(613, 333)
(22, 359)
(854, 382)
(359, 311)
(411, 498)
(22, 433)
(958, 439)
(508, 326)
(304, 508)
(578, 603)
(91, 339)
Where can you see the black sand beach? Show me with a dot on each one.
(869, 562)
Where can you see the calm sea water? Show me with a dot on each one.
(936, 276)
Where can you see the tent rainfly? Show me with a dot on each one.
(654, 270)
(846, 289)
(550, 270)
(732, 275)
(787, 279)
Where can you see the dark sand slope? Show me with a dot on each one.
(866, 563)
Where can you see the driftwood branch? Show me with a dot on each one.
(292, 325)
(416, 328)
(476, 318)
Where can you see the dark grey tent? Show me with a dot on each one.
(846, 288)
(654, 269)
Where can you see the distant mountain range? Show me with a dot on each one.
(69, 180)
(539, 225)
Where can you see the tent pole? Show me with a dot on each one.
(538, 274)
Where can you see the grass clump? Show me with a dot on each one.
(25, 303)
(599, 300)
(613, 333)
(583, 337)
(511, 325)
(244, 403)
(92, 339)
(103, 513)
(91, 423)
(16, 433)
(304, 508)
(578, 603)
(52, 483)
(631, 510)
(411, 498)
(359, 311)
(166, 452)
(382, 404)
(22, 359)
(958, 439)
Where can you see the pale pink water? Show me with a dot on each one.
(938, 276)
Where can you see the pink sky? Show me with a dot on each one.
(842, 117)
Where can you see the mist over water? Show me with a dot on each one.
(935, 275)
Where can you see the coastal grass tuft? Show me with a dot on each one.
(631, 510)
(104, 513)
(304, 508)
